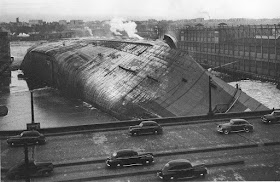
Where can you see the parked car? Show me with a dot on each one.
(272, 117)
(235, 125)
(35, 169)
(128, 157)
(29, 137)
(145, 127)
(181, 168)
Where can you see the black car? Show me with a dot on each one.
(181, 168)
(29, 137)
(273, 117)
(235, 125)
(128, 157)
(35, 169)
(146, 127)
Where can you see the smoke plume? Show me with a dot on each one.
(203, 14)
(117, 25)
(89, 31)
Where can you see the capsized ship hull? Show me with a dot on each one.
(133, 79)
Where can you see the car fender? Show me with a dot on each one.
(136, 129)
(226, 128)
(116, 161)
(146, 157)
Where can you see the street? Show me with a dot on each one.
(200, 143)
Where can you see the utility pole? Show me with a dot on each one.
(210, 112)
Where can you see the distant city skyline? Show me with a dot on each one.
(90, 10)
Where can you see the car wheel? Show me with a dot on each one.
(226, 132)
(247, 130)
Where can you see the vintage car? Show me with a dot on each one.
(272, 117)
(129, 157)
(181, 168)
(35, 169)
(29, 137)
(145, 127)
(235, 125)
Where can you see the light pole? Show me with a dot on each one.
(32, 107)
(210, 112)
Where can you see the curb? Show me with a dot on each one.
(159, 154)
(271, 143)
(162, 154)
(238, 162)
(79, 163)
(123, 124)
(206, 150)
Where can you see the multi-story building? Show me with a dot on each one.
(76, 22)
(36, 22)
(62, 22)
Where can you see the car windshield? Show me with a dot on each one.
(231, 122)
(141, 124)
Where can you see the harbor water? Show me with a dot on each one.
(264, 92)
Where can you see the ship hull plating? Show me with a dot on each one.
(132, 79)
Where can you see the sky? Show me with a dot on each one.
(90, 10)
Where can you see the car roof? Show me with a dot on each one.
(149, 122)
(238, 120)
(178, 162)
(30, 131)
(125, 151)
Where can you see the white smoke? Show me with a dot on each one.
(23, 35)
(120, 24)
(89, 31)
(204, 14)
